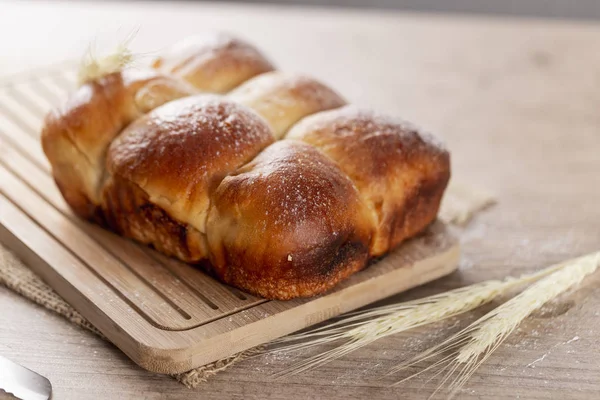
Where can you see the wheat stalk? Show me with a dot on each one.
(361, 328)
(473, 345)
(93, 68)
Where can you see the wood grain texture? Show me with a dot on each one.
(517, 102)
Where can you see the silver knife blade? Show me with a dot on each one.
(23, 383)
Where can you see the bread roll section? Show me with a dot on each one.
(213, 63)
(400, 173)
(288, 224)
(283, 99)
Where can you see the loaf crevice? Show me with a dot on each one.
(128, 211)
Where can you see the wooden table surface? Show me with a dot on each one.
(518, 103)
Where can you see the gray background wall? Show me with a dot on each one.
(579, 9)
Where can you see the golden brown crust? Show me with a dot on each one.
(400, 173)
(184, 175)
(213, 63)
(75, 137)
(180, 151)
(283, 99)
(287, 224)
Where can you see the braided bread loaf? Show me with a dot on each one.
(269, 180)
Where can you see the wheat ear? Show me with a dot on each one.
(473, 345)
(359, 329)
(93, 68)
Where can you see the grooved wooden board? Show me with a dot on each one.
(167, 316)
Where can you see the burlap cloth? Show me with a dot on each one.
(460, 203)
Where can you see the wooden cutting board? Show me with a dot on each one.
(167, 316)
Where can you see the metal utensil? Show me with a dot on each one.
(23, 383)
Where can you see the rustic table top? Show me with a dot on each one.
(517, 102)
